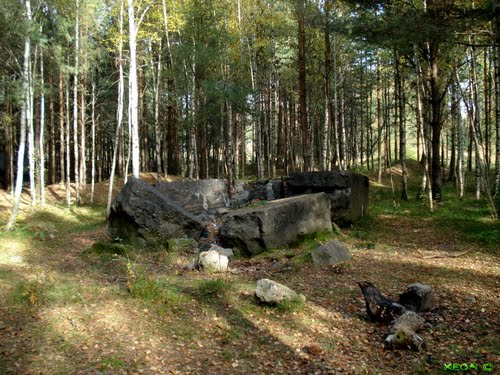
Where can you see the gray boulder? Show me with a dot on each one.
(348, 192)
(417, 297)
(183, 246)
(270, 291)
(197, 196)
(223, 251)
(332, 252)
(142, 215)
(276, 223)
(212, 261)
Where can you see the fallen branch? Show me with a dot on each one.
(446, 255)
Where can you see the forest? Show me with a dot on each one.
(93, 89)
(95, 92)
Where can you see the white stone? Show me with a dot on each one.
(212, 261)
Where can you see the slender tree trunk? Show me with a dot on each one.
(436, 125)
(460, 167)
(75, 103)
(52, 132)
(92, 157)
(41, 136)
(304, 126)
(379, 126)
(24, 122)
(496, 9)
(133, 91)
(62, 150)
(31, 136)
(68, 150)
(402, 129)
(119, 111)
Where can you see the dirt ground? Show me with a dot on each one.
(67, 312)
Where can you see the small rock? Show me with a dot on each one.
(332, 252)
(270, 291)
(417, 297)
(191, 266)
(212, 261)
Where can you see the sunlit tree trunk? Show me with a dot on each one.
(133, 91)
(41, 135)
(75, 103)
(24, 121)
(119, 110)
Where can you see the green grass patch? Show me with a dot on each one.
(213, 289)
(290, 305)
(109, 363)
(30, 292)
(106, 247)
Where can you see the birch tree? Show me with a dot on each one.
(25, 118)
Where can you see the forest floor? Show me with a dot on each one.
(68, 307)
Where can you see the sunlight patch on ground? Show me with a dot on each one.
(11, 252)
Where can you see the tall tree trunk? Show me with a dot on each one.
(31, 137)
(119, 111)
(62, 150)
(41, 135)
(327, 125)
(24, 121)
(460, 166)
(133, 91)
(68, 150)
(496, 9)
(436, 123)
(75, 103)
(93, 154)
(304, 126)
(402, 129)
(379, 125)
(52, 132)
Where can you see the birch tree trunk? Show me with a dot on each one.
(119, 111)
(31, 136)
(41, 139)
(92, 156)
(75, 102)
(133, 91)
(24, 119)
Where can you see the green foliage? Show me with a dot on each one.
(152, 290)
(212, 289)
(290, 305)
(109, 248)
(31, 292)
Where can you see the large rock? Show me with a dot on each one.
(348, 192)
(212, 261)
(276, 223)
(197, 196)
(417, 297)
(270, 291)
(142, 215)
(332, 252)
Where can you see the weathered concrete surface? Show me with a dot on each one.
(348, 192)
(275, 223)
(197, 196)
(142, 215)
